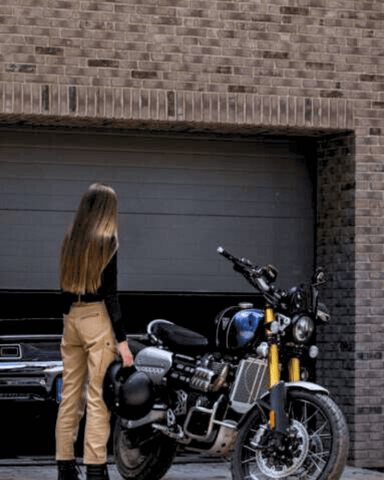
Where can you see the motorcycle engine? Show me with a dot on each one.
(204, 375)
(190, 402)
(207, 375)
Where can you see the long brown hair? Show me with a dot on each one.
(91, 241)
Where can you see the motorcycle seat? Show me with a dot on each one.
(179, 339)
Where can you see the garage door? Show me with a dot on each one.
(179, 199)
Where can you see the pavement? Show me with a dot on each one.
(182, 470)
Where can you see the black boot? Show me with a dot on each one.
(97, 472)
(68, 470)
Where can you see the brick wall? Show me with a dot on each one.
(308, 67)
(237, 62)
(336, 245)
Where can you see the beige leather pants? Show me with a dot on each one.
(88, 346)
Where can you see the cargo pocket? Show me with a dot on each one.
(107, 353)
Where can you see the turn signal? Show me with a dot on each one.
(313, 351)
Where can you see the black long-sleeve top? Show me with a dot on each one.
(107, 292)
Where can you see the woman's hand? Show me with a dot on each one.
(126, 354)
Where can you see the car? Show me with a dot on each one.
(30, 368)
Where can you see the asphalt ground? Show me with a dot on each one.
(27, 469)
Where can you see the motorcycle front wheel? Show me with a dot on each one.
(148, 459)
(316, 449)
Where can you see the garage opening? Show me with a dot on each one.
(180, 198)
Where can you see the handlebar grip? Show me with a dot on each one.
(224, 252)
(237, 261)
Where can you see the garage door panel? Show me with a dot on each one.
(57, 144)
(31, 248)
(81, 174)
(169, 199)
(219, 208)
(42, 280)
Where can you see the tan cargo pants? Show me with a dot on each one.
(88, 346)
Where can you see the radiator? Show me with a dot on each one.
(251, 382)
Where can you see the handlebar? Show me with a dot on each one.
(232, 258)
(259, 277)
(262, 278)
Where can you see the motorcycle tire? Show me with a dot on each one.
(323, 430)
(149, 461)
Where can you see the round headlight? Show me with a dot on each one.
(303, 329)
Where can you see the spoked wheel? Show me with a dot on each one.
(316, 447)
(142, 457)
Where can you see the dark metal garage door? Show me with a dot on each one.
(179, 199)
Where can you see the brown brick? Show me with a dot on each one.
(294, 11)
(206, 107)
(341, 114)
(276, 55)
(72, 98)
(100, 101)
(26, 97)
(320, 66)
(223, 108)
(161, 105)
(126, 99)
(241, 89)
(232, 108)
(36, 99)
(20, 68)
(103, 63)
(45, 100)
(171, 109)
(142, 74)
(331, 94)
(300, 112)
(368, 78)
(308, 115)
(49, 51)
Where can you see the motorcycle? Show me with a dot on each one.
(242, 399)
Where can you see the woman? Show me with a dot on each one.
(92, 325)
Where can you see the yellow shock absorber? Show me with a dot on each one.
(294, 370)
(273, 363)
(269, 315)
(274, 376)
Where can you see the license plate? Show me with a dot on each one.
(59, 386)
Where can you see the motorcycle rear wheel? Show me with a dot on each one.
(323, 430)
(149, 461)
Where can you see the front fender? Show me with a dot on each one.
(262, 401)
(311, 387)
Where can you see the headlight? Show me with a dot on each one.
(302, 329)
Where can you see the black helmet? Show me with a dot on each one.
(127, 392)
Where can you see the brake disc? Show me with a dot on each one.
(274, 467)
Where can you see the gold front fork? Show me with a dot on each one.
(294, 370)
(273, 363)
